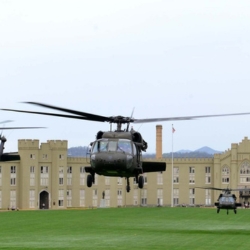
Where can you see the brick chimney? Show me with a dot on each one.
(158, 154)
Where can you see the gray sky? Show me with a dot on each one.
(163, 58)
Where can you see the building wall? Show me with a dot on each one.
(46, 175)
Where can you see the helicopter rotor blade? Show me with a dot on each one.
(113, 119)
(77, 114)
(185, 117)
(213, 188)
(88, 116)
(6, 121)
(52, 114)
(5, 128)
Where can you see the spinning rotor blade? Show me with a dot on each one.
(114, 119)
(184, 118)
(213, 188)
(77, 114)
(19, 128)
(6, 121)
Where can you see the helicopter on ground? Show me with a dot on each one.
(226, 200)
(119, 152)
(9, 156)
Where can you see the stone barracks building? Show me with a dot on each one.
(45, 177)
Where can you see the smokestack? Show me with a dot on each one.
(158, 154)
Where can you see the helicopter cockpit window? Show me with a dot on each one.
(105, 145)
(124, 146)
(100, 146)
(227, 199)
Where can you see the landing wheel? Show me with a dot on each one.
(89, 180)
(128, 185)
(141, 182)
(218, 210)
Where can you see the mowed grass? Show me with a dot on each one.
(125, 228)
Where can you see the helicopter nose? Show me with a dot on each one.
(109, 162)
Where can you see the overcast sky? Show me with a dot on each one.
(163, 58)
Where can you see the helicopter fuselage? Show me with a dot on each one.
(115, 154)
(227, 201)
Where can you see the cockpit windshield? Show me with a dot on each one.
(109, 145)
(227, 199)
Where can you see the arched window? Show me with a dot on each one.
(245, 172)
(225, 174)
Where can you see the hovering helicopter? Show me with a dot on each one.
(119, 152)
(226, 200)
(9, 156)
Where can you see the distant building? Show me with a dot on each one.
(46, 178)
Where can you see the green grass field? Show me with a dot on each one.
(125, 228)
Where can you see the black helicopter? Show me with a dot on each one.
(119, 152)
(226, 200)
(9, 156)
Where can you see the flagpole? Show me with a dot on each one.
(172, 186)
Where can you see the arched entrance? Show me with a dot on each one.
(44, 200)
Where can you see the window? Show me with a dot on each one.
(69, 170)
(176, 196)
(44, 176)
(32, 199)
(69, 198)
(191, 196)
(208, 197)
(191, 175)
(107, 180)
(32, 176)
(159, 178)
(45, 156)
(12, 181)
(13, 169)
(135, 197)
(159, 197)
(119, 180)
(82, 197)
(176, 175)
(207, 170)
(60, 197)
(61, 156)
(207, 175)
(225, 174)
(191, 170)
(144, 197)
(245, 172)
(60, 181)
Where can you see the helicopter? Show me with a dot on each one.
(9, 156)
(226, 200)
(116, 153)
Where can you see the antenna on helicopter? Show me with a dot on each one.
(130, 119)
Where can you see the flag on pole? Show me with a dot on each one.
(173, 130)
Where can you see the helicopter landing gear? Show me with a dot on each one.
(218, 210)
(141, 182)
(90, 180)
(128, 186)
(235, 211)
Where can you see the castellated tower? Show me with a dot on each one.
(40, 173)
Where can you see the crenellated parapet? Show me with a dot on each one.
(28, 144)
(58, 144)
